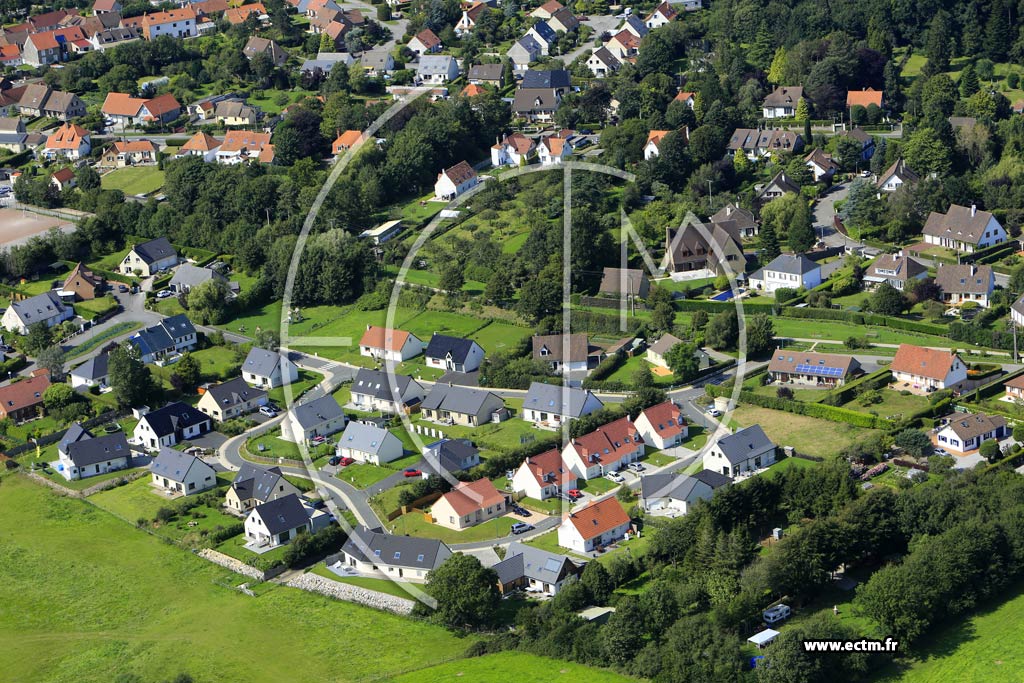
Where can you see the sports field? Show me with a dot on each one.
(20, 226)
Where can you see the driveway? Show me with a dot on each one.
(603, 23)
(211, 440)
(825, 210)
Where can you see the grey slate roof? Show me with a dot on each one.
(325, 61)
(533, 563)
(99, 449)
(253, 481)
(38, 307)
(965, 278)
(375, 383)
(485, 72)
(544, 30)
(174, 465)
(527, 44)
(155, 250)
(76, 432)
(178, 325)
(317, 411)
(555, 78)
(283, 514)
(681, 487)
(261, 362)
(365, 438)
(188, 275)
(738, 447)
(431, 65)
(234, 392)
(792, 264)
(456, 399)
(441, 345)
(94, 369)
(453, 455)
(396, 551)
(174, 416)
(549, 398)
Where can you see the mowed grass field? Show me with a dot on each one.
(499, 668)
(86, 597)
(134, 180)
(807, 434)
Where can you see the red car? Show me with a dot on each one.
(346, 461)
(412, 472)
(575, 494)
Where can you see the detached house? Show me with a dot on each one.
(92, 373)
(965, 282)
(372, 391)
(515, 150)
(243, 146)
(662, 14)
(624, 45)
(453, 354)
(676, 494)
(179, 23)
(963, 229)
(23, 400)
(656, 351)
(455, 181)
(91, 456)
(791, 271)
(547, 10)
(662, 426)
(470, 15)
(169, 426)
(608, 448)
(896, 176)
(231, 399)
(602, 62)
(345, 141)
(46, 308)
(369, 444)
(180, 473)
(1014, 389)
(809, 368)
(82, 284)
(544, 476)
(175, 334)
(964, 432)
(469, 504)
(863, 98)
(406, 558)
(571, 354)
(312, 420)
(524, 52)
(263, 46)
(425, 42)
(487, 74)
(268, 369)
(619, 282)
(735, 220)
(744, 452)
(389, 345)
(534, 570)
(200, 145)
(553, 149)
(536, 104)
(778, 186)
(456, 405)
(452, 455)
(822, 166)
(762, 143)
(277, 522)
(897, 270)
(436, 69)
(70, 141)
(926, 369)
(129, 153)
(595, 525)
(149, 257)
(689, 248)
(781, 102)
(255, 485)
(551, 405)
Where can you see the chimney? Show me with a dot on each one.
(974, 210)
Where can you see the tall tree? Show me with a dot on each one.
(129, 377)
(466, 592)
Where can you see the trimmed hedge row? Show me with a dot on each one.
(866, 319)
(995, 387)
(874, 380)
(719, 306)
(818, 410)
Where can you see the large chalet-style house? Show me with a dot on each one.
(808, 368)
(781, 103)
(964, 282)
(963, 229)
(924, 369)
(454, 181)
(688, 247)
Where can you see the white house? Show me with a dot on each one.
(746, 451)
(550, 405)
(406, 558)
(781, 102)
(534, 570)
(389, 345)
(277, 522)
(254, 485)
(231, 399)
(149, 257)
(544, 476)
(553, 149)
(963, 282)
(897, 270)
(92, 373)
(369, 444)
(465, 406)
(896, 176)
(468, 504)
(602, 62)
(94, 455)
(177, 472)
(656, 351)
(175, 334)
(372, 391)
(926, 369)
(787, 271)
(609, 448)
(654, 138)
(673, 494)
(662, 426)
(268, 369)
(454, 181)
(313, 420)
(964, 432)
(515, 150)
(45, 308)
(595, 525)
(437, 69)
(70, 141)
(662, 14)
(169, 426)
(571, 354)
(453, 354)
(963, 229)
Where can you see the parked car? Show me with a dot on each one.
(714, 412)
(521, 528)
(521, 511)
(334, 460)
(345, 462)
(940, 451)
(319, 439)
(122, 288)
(164, 293)
(574, 494)
(774, 615)
(268, 411)
(636, 467)
(616, 477)
(5, 189)
(412, 472)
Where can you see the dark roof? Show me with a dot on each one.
(455, 399)
(712, 478)
(964, 278)
(451, 455)
(161, 337)
(551, 347)
(375, 383)
(38, 307)
(555, 78)
(253, 481)
(533, 563)
(399, 551)
(544, 30)
(95, 368)
(155, 250)
(234, 392)
(74, 433)
(261, 362)
(797, 264)
(559, 400)
(282, 514)
(175, 465)
(317, 411)
(98, 449)
(441, 345)
(738, 447)
(174, 416)
(178, 325)
(485, 72)
(529, 100)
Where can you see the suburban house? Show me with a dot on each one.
(372, 391)
(608, 448)
(777, 187)
(63, 179)
(149, 257)
(402, 557)
(735, 220)
(82, 284)
(709, 247)
(676, 494)
(171, 335)
(23, 400)
(1014, 389)
(822, 165)
(456, 405)
(688, 97)
(571, 354)
(377, 62)
(277, 522)
(927, 369)
(39, 99)
(255, 485)
(425, 42)
(524, 52)
(92, 373)
(52, 47)
(963, 282)
(964, 432)
(862, 137)
(179, 23)
(345, 141)
(325, 61)
(791, 271)
(470, 14)
(547, 10)
(70, 141)
(595, 525)
(624, 45)
(468, 504)
(746, 451)
(662, 14)
(41, 308)
(105, 6)
(781, 102)
(656, 351)
(129, 153)
(963, 229)
(602, 62)
(113, 37)
(759, 143)
(314, 419)
(389, 345)
(654, 138)
(563, 21)
(125, 110)
(662, 426)
(10, 55)
(170, 425)
(90, 456)
(13, 135)
(536, 104)
(200, 145)
(454, 181)
(452, 455)
(264, 46)
(534, 570)
(549, 404)
(177, 472)
(236, 113)
(545, 35)
(454, 354)
(487, 74)
(809, 368)
(231, 399)
(369, 444)
(187, 277)
(896, 176)
(242, 146)
(863, 98)
(544, 476)
(515, 150)
(617, 282)
(553, 149)
(268, 369)
(897, 270)
(436, 70)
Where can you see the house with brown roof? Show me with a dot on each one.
(23, 400)
(265, 46)
(536, 104)
(623, 45)
(714, 248)
(472, 90)
(241, 146)
(896, 176)
(124, 110)
(238, 15)
(735, 220)
(544, 476)
(822, 165)
(454, 181)
(762, 143)
(547, 10)
(924, 369)
(82, 284)
(201, 145)
(129, 153)
(656, 351)
(54, 46)
(654, 138)
(963, 282)
(553, 149)
(236, 113)
(105, 6)
(617, 282)
(609, 448)
(1014, 389)
(662, 426)
(863, 98)
(389, 345)
(470, 15)
(345, 141)
(597, 524)
(70, 141)
(567, 354)
(897, 270)
(778, 186)
(662, 14)
(963, 229)
(781, 103)
(965, 432)
(63, 179)
(514, 150)
(468, 504)
(425, 42)
(806, 368)
(602, 62)
(178, 23)
(563, 21)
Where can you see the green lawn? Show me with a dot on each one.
(363, 475)
(625, 372)
(133, 604)
(101, 338)
(415, 524)
(95, 307)
(503, 667)
(807, 434)
(597, 486)
(841, 331)
(134, 180)
(496, 336)
(893, 403)
(307, 380)
(379, 585)
(501, 436)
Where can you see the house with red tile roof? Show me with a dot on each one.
(10, 55)
(468, 504)
(425, 42)
(553, 149)
(241, 146)
(472, 90)
(387, 344)
(63, 179)
(863, 98)
(454, 181)
(547, 10)
(345, 142)
(662, 14)
(201, 145)
(70, 141)
(607, 449)
(54, 46)
(23, 400)
(685, 96)
(544, 476)
(129, 153)
(238, 15)
(514, 150)
(662, 426)
(918, 367)
(595, 525)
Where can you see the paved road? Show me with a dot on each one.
(824, 211)
(605, 23)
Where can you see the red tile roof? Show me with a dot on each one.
(666, 419)
(68, 136)
(346, 140)
(201, 142)
(864, 97)
(23, 394)
(470, 496)
(472, 90)
(922, 362)
(608, 443)
(162, 104)
(597, 517)
(134, 146)
(63, 175)
(548, 468)
(381, 338)
(428, 39)
(122, 104)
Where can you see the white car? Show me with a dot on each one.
(164, 293)
(714, 412)
(268, 411)
(616, 477)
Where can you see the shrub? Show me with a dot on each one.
(165, 514)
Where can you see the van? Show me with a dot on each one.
(774, 615)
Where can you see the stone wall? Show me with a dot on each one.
(234, 565)
(344, 591)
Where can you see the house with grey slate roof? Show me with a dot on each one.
(453, 354)
(277, 522)
(551, 405)
(369, 444)
(170, 425)
(314, 419)
(448, 404)
(744, 452)
(91, 456)
(149, 257)
(400, 557)
(268, 369)
(674, 494)
(436, 69)
(524, 52)
(231, 399)
(180, 473)
(791, 271)
(41, 308)
(372, 391)
(255, 485)
(452, 455)
(535, 570)
(188, 276)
